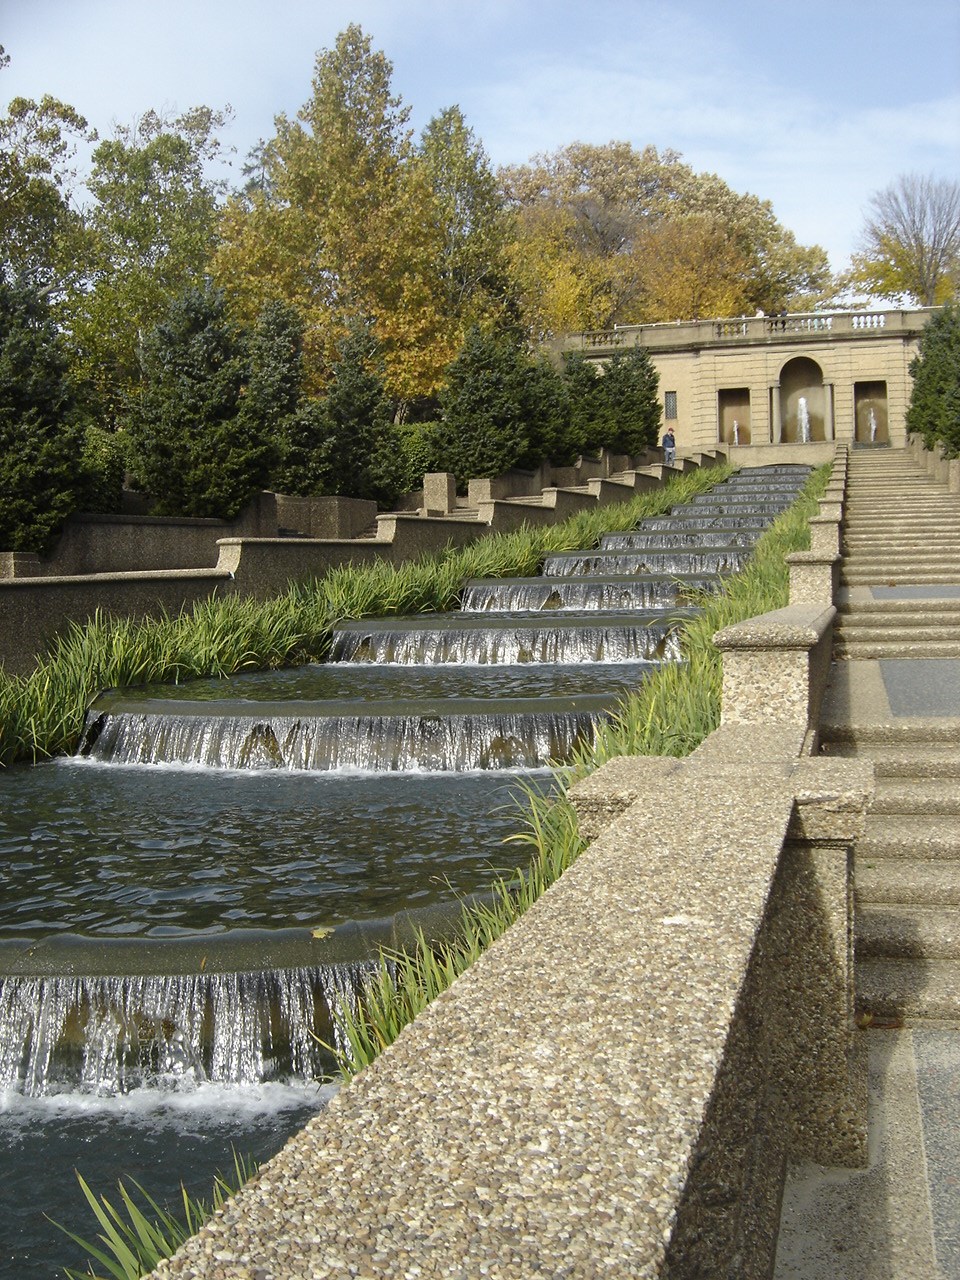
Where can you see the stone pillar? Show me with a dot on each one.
(829, 426)
(439, 492)
(775, 424)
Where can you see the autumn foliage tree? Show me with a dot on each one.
(612, 235)
(341, 225)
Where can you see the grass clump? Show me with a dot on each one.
(131, 1243)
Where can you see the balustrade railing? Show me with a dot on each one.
(761, 328)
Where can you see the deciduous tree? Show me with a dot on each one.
(910, 243)
(341, 225)
(151, 232)
(473, 223)
(40, 225)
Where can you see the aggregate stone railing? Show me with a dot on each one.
(617, 1085)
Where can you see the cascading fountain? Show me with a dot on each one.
(190, 896)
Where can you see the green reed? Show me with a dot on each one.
(130, 1243)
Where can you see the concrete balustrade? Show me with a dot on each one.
(616, 1086)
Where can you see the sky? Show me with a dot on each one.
(813, 105)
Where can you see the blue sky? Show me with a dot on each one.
(813, 106)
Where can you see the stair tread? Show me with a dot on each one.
(894, 835)
(909, 989)
(890, 881)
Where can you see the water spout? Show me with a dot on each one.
(803, 421)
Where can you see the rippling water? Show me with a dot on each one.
(154, 852)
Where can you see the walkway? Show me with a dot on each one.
(895, 698)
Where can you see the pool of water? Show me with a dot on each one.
(111, 852)
(148, 1139)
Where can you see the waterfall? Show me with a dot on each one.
(109, 1035)
(602, 594)
(511, 737)
(715, 560)
(652, 540)
(584, 642)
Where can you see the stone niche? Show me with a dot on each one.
(871, 420)
(733, 416)
(802, 392)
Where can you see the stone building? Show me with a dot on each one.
(765, 384)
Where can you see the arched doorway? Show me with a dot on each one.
(802, 402)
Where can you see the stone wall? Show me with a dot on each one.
(36, 606)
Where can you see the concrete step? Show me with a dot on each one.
(922, 797)
(916, 839)
(903, 732)
(915, 882)
(877, 576)
(904, 931)
(863, 650)
(896, 630)
(893, 761)
(942, 609)
(912, 991)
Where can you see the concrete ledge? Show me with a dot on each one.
(615, 1087)
(776, 666)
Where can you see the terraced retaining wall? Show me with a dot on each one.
(616, 1086)
(34, 607)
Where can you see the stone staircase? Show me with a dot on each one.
(902, 530)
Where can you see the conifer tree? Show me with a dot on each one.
(41, 437)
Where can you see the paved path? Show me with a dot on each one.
(895, 698)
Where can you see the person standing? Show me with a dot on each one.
(669, 444)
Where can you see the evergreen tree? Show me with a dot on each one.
(484, 430)
(586, 402)
(195, 452)
(41, 437)
(275, 353)
(631, 405)
(547, 415)
(342, 443)
(934, 408)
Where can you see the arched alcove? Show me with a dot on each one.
(802, 402)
